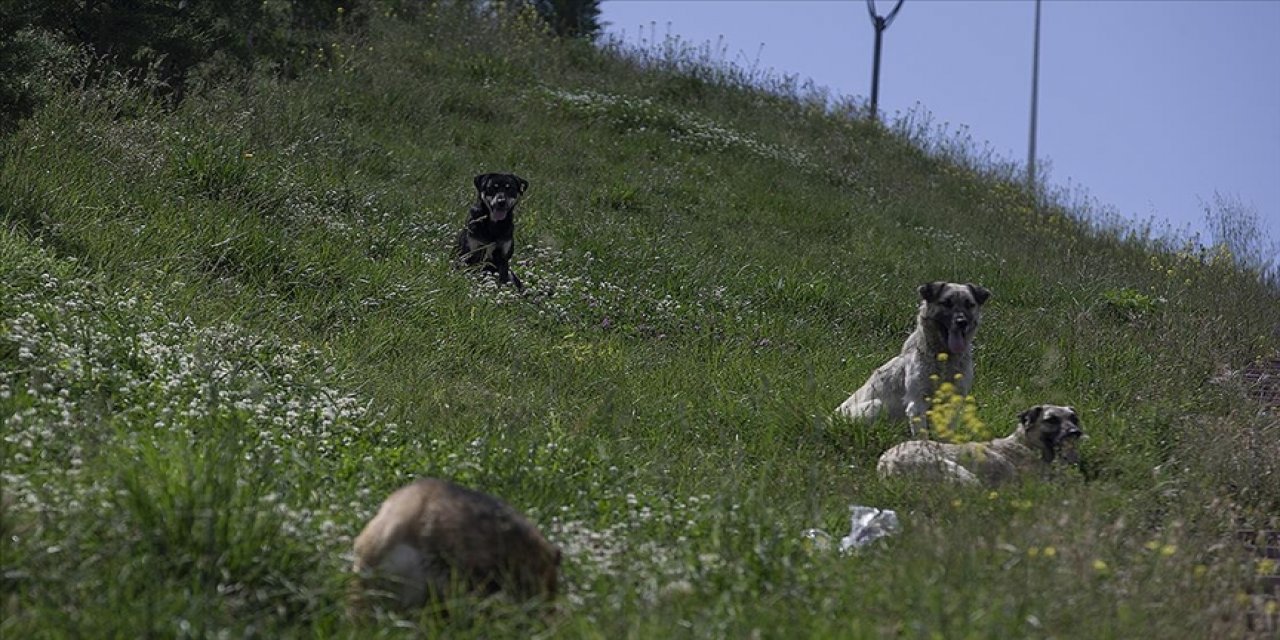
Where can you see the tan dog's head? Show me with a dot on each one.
(1052, 430)
(950, 312)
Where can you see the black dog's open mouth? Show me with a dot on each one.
(499, 212)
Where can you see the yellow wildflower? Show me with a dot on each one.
(1050, 552)
(1266, 567)
(953, 416)
(1100, 565)
(1168, 550)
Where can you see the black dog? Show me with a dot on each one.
(488, 237)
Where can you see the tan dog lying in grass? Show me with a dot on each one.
(1045, 432)
(434, 540)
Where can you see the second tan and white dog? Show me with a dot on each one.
(1045, 433)
(946, 323)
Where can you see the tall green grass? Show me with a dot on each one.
(231, 327)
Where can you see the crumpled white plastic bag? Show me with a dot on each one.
(867, 524)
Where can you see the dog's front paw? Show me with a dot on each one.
(915, 409)
(917, 422)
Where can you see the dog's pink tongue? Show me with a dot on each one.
(955, 342)
(498, 214)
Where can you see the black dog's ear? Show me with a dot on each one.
(1030, 416)
(480, 180)
(524, 184)
(980, 294)
(929, 292)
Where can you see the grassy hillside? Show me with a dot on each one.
(227, 330)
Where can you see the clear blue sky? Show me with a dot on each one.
(1150, 105)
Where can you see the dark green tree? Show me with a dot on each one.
(17, 59)
(168, 38)
(571, 18)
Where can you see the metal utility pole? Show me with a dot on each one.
(880, 23)
(1035, 95)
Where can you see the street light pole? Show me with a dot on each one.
(1035, 96)
(879, 23)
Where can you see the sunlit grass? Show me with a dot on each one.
(228, 330)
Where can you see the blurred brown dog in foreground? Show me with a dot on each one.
(433, 539)
(1045, 433)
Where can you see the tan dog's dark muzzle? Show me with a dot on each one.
(1068, 447)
